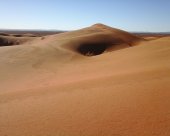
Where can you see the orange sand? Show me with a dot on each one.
(48, 88)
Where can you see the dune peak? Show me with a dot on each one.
(100, 25)
(99, 38)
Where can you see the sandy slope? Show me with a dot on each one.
(48, 89)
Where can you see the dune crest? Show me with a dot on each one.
(100, 38)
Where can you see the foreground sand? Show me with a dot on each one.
(49, 91)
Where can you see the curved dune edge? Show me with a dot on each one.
(98, 39)
(47, 89)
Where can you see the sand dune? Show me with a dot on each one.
(97, 39)
(51, 87)
(9, 40)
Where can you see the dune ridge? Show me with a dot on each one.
(100, 38)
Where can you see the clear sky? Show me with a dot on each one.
(130, 15)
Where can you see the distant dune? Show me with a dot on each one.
(14, 39)
(96, 81)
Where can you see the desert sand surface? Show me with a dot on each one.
(97, 81)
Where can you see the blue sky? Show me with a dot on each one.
(130, 15)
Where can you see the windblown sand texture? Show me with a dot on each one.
(97, 81)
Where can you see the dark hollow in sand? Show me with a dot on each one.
(92, 49)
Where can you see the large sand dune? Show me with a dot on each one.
(89, 82)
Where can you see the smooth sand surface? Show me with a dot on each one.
(49, 88)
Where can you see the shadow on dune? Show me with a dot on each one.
(8, 42)
(92, 49)
(98, 39)
(95, 47)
